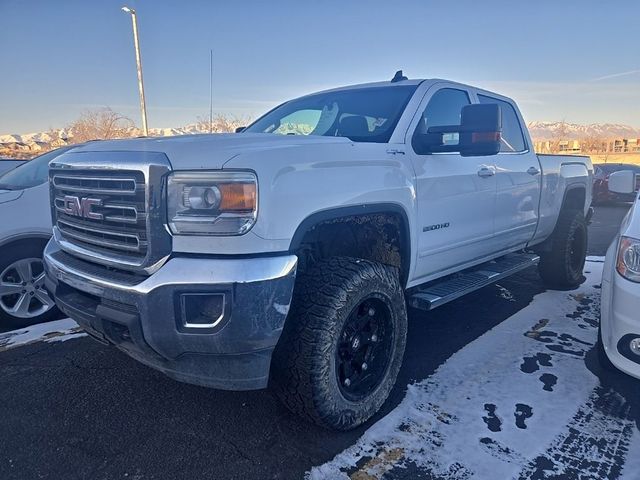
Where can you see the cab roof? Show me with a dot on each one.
(411, 82)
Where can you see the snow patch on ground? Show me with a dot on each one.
(518, 402)
(58, 331)
(632, 465)
(281, 309)
(505, 293)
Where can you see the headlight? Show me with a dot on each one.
(628, 263)
(212, 203)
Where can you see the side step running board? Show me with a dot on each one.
(454, 286)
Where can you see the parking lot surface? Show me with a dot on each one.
(494, 385)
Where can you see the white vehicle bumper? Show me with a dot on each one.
(620, 316)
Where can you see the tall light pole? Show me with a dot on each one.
(136, 44)
(211, 91)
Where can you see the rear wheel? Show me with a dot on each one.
(562, 266)
(23, 299)
(342, 347)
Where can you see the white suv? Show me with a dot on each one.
(24, 231)
(619, 339)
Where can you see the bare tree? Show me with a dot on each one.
(101, 124)
(560, 134)
(593, 144)
(220, 124)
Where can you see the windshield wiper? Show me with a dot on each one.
(5, 186)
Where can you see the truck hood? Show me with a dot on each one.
(210, 151)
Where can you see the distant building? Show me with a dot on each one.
(614, 145)
(569, 146)
(624, 145)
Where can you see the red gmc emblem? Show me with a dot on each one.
(82, 207)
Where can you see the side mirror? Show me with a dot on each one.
(479, 133)
(623, 181)
(482, 130)
(240, 129)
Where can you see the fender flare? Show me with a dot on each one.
(354, 210)
(545, 245)
(25, 236)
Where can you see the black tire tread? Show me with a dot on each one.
(553, 267)
(318, 294)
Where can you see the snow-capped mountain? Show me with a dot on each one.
(169, 132)
(574, 131)
(64, 135)
(36, 137)
(538, 130)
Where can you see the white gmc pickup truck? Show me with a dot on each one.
(286, 254)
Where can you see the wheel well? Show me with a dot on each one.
(574, 199)
(21, 242)
(381, 237)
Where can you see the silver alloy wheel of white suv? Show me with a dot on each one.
(22, 293)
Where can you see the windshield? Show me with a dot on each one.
(29, 174)
(362, 114)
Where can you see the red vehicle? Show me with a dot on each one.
(601, 193)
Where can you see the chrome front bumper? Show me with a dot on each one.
(141, 315)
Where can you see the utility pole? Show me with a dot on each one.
(136, 44)
(210, 91)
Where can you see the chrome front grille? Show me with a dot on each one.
(118, 185)
(116, 221)
(116, 240)
(108, 207)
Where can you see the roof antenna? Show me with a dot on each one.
(398, 77)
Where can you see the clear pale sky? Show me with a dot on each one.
(572, 60)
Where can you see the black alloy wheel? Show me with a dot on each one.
(364, 347)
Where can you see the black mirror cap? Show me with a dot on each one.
(481, 130)
(240, 129)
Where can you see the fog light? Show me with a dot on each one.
(202, 310)
(634, 345)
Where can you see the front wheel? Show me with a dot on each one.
(342, 346)
(561, 267)
(23, 299)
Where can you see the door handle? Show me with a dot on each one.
(485, 172)
(533, 171)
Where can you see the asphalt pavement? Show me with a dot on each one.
(78, 409)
